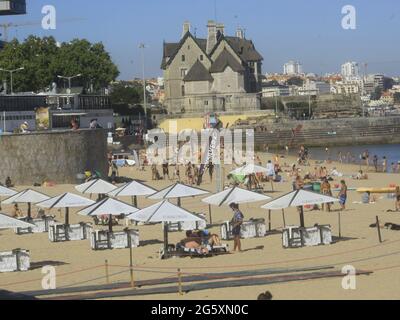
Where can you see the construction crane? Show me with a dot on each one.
(7, 26)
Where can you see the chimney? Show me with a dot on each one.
(212, 36)
(186, 28)
(220, 30)
(240, 33)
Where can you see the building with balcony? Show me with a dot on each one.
(54, 111)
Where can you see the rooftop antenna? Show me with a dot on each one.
(215, 10)
(195, 32)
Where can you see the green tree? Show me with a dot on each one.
(43, 59)
(125, 98)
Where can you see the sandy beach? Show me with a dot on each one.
(77, 265)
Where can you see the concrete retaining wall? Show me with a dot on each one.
(322, 133)
(52, 156)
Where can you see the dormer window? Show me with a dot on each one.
(183, 58)
(201, 57)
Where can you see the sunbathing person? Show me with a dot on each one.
(361, 176)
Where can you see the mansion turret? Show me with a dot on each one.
(217, 74)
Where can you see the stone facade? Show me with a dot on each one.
(52, 156)
(216, 74)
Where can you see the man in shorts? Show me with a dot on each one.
(237, 222)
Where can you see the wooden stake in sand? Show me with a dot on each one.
(340, 225)
(379, 229)
(107, 273)
(284, 219)
(180, 282)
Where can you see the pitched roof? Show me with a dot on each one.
(224, 60)
(198, 73)
(244, 48)
(172, 49)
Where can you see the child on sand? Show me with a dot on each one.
(343, 194)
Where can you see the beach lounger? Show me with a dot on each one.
(16, 260)
(62, 233)
(105, 240)
(296, 237)
(42, 225)
(195, 253)
(255, 228)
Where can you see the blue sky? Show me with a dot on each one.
(306, 30)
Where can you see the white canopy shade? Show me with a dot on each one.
(298, 198)
(66, 200)
(7, 222)
(164, 212)
(132, 189)
(235, 195)
(178, 190)
(108, 206)
(6, 192)
(96, 187)
(27, 196)
(249, 169)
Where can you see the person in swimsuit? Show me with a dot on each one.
(343, 194)
(237, 223)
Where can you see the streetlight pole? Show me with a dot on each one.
(11, 72)
(142, 46)
(70, 80)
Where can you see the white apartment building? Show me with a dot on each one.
(350, 70)
(293, 68)
(314, 88)
(347, 87)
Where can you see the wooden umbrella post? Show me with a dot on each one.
(67, 216)
(284, 219)
(340, 225)
(135, 201)
(302, 223)
(29, 211)
(269, 221)
(166, 239)
(110, 223)
(210, 212)
(179, 203)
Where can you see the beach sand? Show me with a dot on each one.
(76, 264)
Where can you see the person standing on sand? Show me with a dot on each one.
(327, 191)
(385, 165)
(237, 222)
(376, 163)
(343, 194)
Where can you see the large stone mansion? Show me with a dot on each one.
(217, 74)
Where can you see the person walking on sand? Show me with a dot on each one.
(237, 222)
(343, 194)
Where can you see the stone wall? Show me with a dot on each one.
(52, 156)
(322, 133)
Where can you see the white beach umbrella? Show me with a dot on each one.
(6, 192)
(110, 207)
(249, 169)
(178, 191)
(132, 189)
(164, 212)
(7, 222)
(299, 198)
(28, 196)
(234, 195)
(97, 186)
(66, 200)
